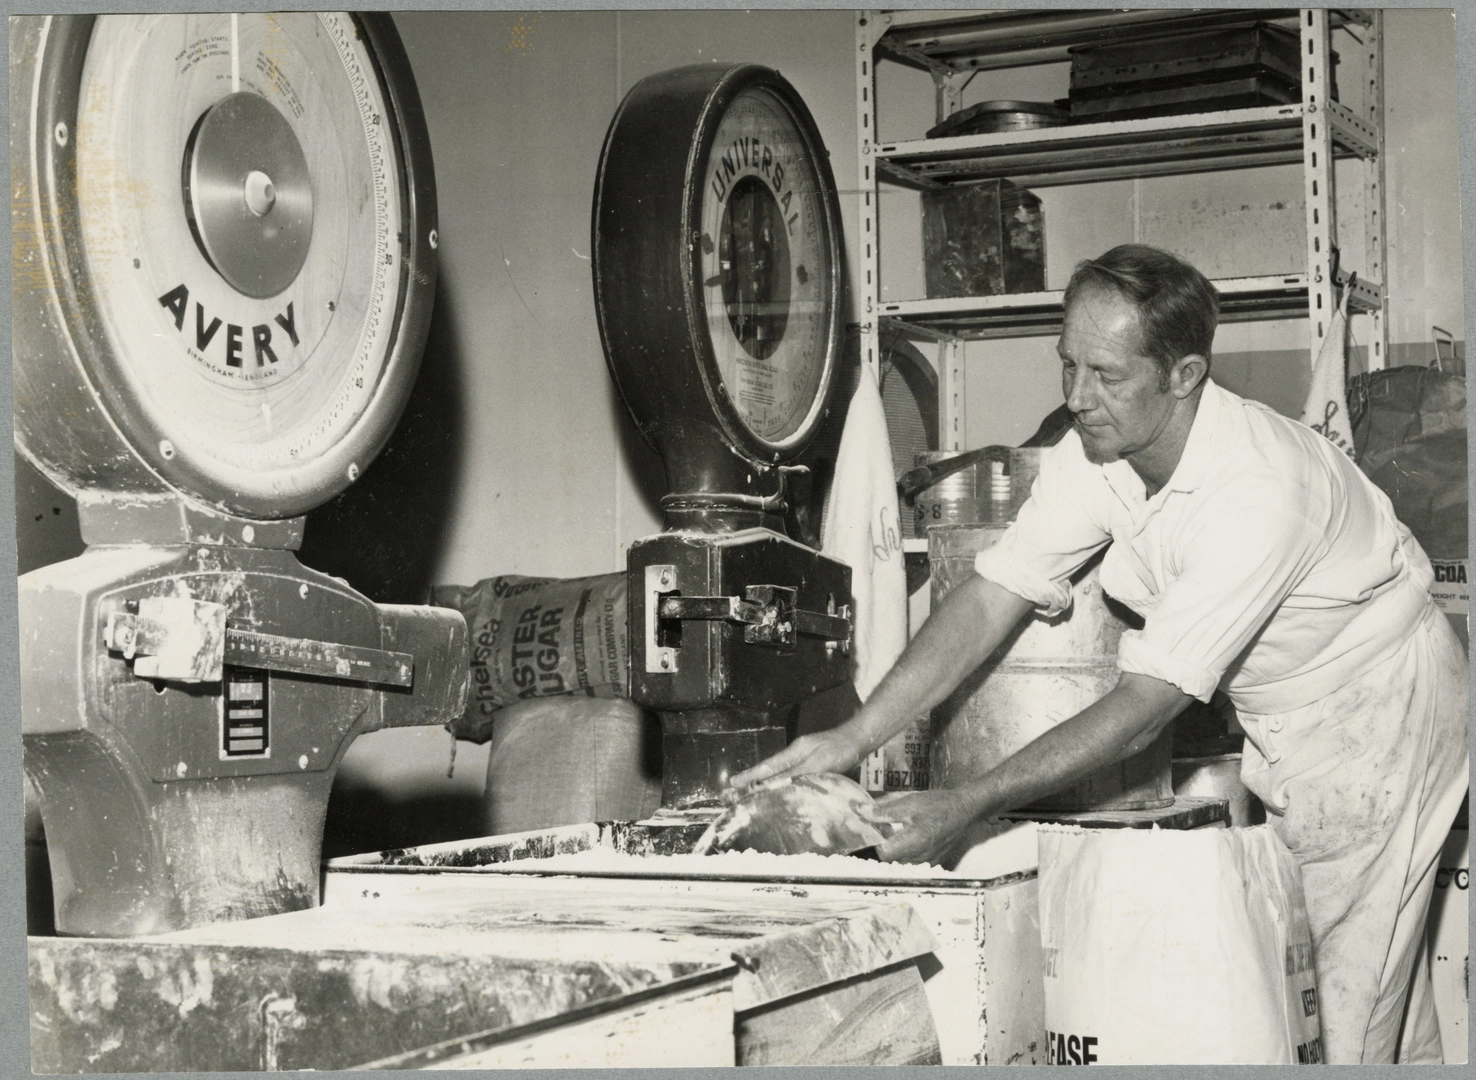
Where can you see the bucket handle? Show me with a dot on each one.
(915, 481)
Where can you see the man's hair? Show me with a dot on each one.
(1177, 306)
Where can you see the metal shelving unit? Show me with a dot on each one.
(953, 46)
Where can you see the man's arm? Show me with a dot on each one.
(967, 626)
(1125, 721)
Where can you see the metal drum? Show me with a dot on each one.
(1218, 777)
(1046, 671)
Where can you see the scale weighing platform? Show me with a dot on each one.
(718, 285)
(225, 248)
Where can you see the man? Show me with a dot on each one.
(1263, 562)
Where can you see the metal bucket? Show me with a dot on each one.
(1045, 672)
(954, 500)
(984, 491)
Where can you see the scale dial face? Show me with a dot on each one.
(766, 267)
(240, 196)
(716, 264)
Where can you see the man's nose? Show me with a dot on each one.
(1079, 398)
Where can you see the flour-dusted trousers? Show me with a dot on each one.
(1363, 786)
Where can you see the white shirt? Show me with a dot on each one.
(1269, 565)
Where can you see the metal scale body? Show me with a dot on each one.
(224, 240)
(717, 275)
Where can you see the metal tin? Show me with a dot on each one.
(972, 496)
(992, 117)
(954, 500)
(983, 239)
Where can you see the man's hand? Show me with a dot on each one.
(930, 824)
(835, 751)
(1126, 720)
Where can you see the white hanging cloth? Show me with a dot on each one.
(861, 528)
(1326, 410)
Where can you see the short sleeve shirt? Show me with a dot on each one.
(1269, 565)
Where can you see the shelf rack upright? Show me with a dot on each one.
(954, 45)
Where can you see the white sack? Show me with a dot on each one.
(861, 529)
(1170, 947)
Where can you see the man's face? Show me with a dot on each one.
(1116, 394)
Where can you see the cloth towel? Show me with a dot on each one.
(861, 528)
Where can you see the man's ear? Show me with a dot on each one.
(1187, 374)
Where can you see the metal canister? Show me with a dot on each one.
(980, 492)
(953, 500)
(1045, 672)
(990, 117)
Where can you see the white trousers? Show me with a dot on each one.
(1363, 786)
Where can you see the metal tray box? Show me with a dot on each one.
(1233, 67)
(1184, 58)
(1150, 100)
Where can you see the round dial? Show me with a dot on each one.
(717, 272)
(766, 270)
(246, 223)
